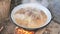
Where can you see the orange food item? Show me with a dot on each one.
(22, 31)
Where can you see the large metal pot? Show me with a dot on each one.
(33, 5)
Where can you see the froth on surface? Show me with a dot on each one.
(31, 18)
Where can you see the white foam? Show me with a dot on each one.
(21, 16)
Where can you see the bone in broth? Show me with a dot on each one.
(30, 17)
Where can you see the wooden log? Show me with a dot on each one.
(4, 8)
(4, 11)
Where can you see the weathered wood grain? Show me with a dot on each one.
(4, 8)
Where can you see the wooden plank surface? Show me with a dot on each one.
(4, 11)
(4, 8)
